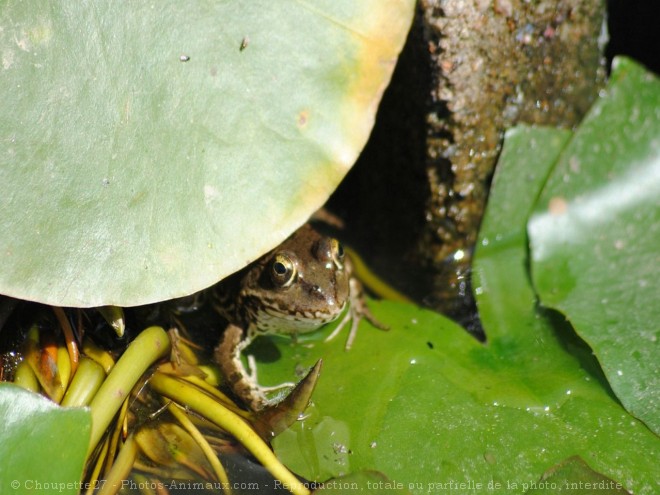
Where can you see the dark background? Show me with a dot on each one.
(389, 180)
(635, 31)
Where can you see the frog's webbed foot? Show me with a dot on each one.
(357, 311)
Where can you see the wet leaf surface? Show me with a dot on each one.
(150, 152)
(432, 408)
(595, 234)
(42, 446)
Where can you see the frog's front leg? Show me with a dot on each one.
(228, 356)
(242, 383)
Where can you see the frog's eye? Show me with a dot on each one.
(283, 270)
(338, 254)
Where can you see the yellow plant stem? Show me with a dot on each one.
(64, 368)
(208, 407)
(121, 468)
(114, 442)
(169, 369)
(213, 374)
(151, 345)
(86, 382)
(69, 337)
(372, 281)
(92, 351)
(98, 465)
(24, 376)
(219, 470)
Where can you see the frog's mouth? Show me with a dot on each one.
(272, 319)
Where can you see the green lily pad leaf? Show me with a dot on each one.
(595, 236)
(149, 150)
(42, 445)
(437, 411)
(574, 476)
(367, 482)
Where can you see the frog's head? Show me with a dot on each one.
(301, 285)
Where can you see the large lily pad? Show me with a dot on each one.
(596, 232)
(439, 412)
(150, 149)
(42, 445)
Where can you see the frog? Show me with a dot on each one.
(298, 287)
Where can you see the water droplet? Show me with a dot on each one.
(574, 164)
(485, 241)
(413, 361)
(339, 448)
(619, 372)
(478, 290)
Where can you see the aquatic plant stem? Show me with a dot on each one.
(208, 407)
(151, 345)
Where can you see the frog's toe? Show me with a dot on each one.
(356, 313)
